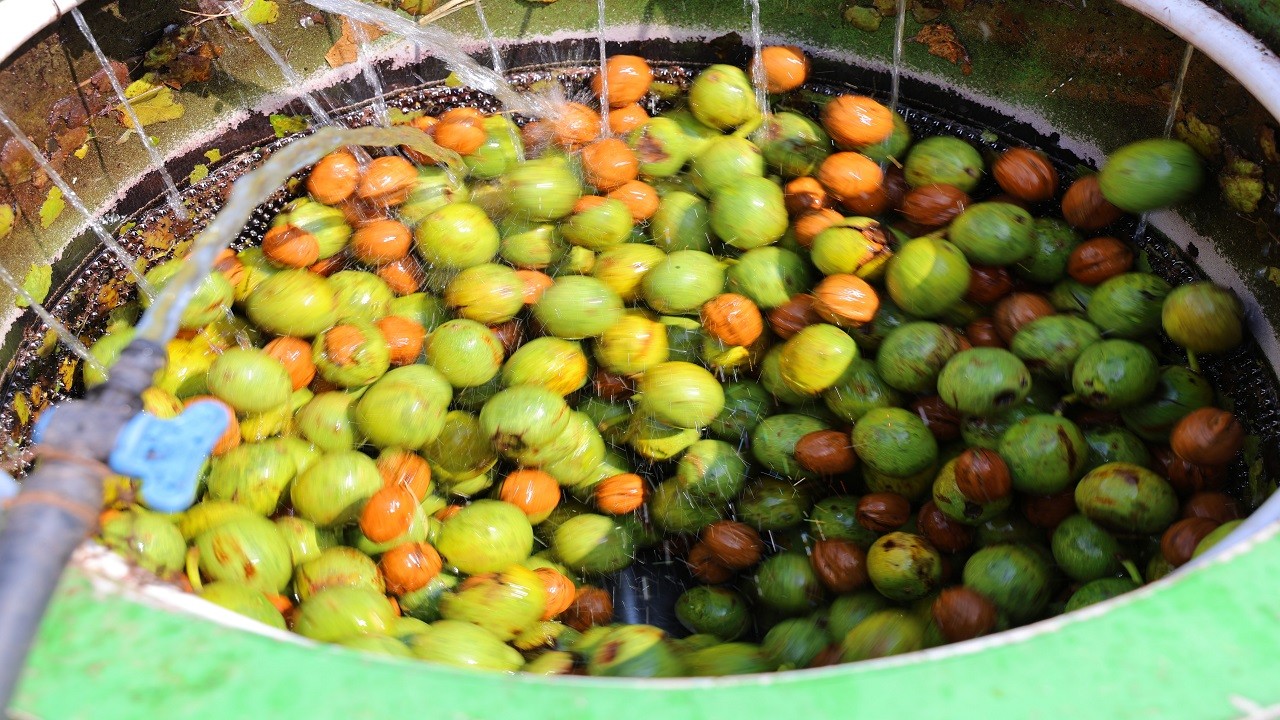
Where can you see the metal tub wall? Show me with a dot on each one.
(1092, 75)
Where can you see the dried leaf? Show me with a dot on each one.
(1242, 184)
(37, 283)
(258, 12)
(52, 207)
(1273, 274)
(864, 18)
(941, 41)
(346, 49)
(182, 56)
(151, 102)
(289, 124)
(1206, 139)
(21, 409)
(6, 220)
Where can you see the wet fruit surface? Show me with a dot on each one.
(706, 341)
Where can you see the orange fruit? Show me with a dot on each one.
(575, 126)
(732, 319)
(608, 163)
(808, 225)
(295, 354)
(785, 67)
(560, 591)
(387, 180)
(856, 121)
(290, 246)
(380, 241)
(409, 567)
(620, 494)
(334, 178)
(405, 469)
(533, 491)
(403, 276)
(627, 118)
(404, 338)
(639, 197)
(388, 514)
(535, 282)
(629, 79)
(850, 174)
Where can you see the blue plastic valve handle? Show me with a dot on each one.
(166, 455)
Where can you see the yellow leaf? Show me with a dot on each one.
(213, 155)
(82, 151)
(198, 173)
(6, 220)
(52, 207)
(37, 283)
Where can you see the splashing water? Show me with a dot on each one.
(494, 55)
(171, 188)
(291, 76)
(71, 341)
(129, 262)
(1175, 102)
(899, 37)
(604, 70)
(445, 46)
(371, 76)
(160, 323)
(758, 77)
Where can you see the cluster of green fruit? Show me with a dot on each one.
(945, 425)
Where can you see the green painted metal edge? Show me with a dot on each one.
(1203, 646)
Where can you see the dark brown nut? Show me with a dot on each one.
(982, 333)
(826, 452)
(1099, 259)
(1025, 174)
(1017, 310)
(944, 533)
(591, 606)
(941, 419)
(1084, 207)
(1213, 505)
(1048, 511)
(962, 614)
(982, 475)
(883, 511)
(988, 284)
(934, 205)
(1186, 477)
(734, 545)
(1208, 437)
(840, 564)
(793, 316)
(608, 386)
(703, 566)
(1180, 540)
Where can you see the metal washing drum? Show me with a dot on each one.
(1076, 79)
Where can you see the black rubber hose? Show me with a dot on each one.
(59, 501)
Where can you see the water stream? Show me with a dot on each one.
(757, 62)
(71, 341)
(445, 46)
(371, 76)
(291, 76)
(604, 70)
(1175, 102)
(173, 197)
(126, 259)
(895, 71)
(160, 323)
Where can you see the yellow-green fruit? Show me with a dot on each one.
(486, 536)
(558, 365)
(815, 358)
(632, 345)
(504, 605)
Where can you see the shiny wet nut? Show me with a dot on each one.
(883, 511)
